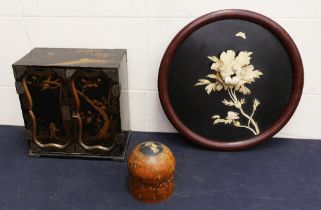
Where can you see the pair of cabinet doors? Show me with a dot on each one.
(70, 111)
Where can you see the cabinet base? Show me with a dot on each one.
(120, 156)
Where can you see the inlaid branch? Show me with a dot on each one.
(49, 83)
(102, 121)
(45, 84)
(232, 117)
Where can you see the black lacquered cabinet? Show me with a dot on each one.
(72, 103)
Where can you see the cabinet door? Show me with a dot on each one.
(44, 113)
(96, 110)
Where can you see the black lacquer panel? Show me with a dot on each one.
(45, 90)
(230, 79)
(94, 93)
(195, 107)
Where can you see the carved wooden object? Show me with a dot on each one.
(151, 166)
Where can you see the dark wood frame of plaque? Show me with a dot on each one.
(271, 26)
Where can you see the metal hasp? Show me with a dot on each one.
(72, 103)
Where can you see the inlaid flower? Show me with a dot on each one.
(231, 73)
(232, 116)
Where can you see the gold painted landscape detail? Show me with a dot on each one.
(231, 73)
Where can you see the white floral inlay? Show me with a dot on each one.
(231, 73)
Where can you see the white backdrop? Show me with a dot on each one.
(145, 28)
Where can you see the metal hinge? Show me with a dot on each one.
(70, 73)
(110, 74)
(19, 88)
(19, 71)
(115, 90)
(65, 111)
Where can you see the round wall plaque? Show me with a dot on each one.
(230, 79)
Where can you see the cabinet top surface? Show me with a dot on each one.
(69, 57)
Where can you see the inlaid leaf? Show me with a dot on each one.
(209, 88)
(213, 76)
(257, 73)
(228, 103)
(213, 58)
(215, 116)
(236, 123)
(202, 82)
(220, 121)
(244, 90)
(256, 103)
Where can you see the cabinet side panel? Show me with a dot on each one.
(124, 96)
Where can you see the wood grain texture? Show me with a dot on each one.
(151, 166)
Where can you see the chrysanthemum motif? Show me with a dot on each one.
(231, 73)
